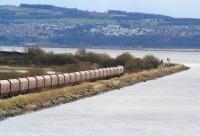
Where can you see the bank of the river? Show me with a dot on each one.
(44, 99)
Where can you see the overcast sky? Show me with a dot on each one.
(175, 8)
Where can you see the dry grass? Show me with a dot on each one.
(34, 101)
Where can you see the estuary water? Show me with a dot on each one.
(169, 106)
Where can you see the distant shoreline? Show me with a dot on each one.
(12, 48)
(174, 50)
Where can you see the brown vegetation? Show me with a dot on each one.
(37, 60)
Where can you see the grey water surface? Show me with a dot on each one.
(168, 106)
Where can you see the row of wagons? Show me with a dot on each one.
(24, 85)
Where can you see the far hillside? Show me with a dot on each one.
(50, 26)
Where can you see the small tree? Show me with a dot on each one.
(134, 65)
(35, 55)
(124, 58)
(81, 52)
(149, 61)
(103, 60)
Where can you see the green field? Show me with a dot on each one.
(74, 21)
(85, 21)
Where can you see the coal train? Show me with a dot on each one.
(12, 87)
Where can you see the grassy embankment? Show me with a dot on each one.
(38, 100)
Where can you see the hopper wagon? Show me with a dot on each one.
(12, 87)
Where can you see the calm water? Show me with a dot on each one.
(169, 106)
